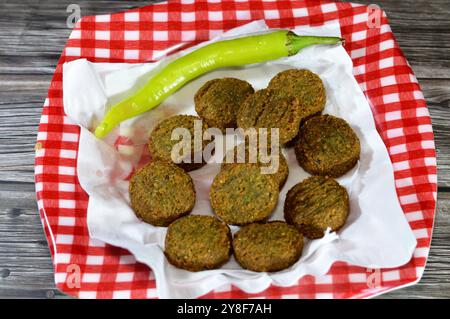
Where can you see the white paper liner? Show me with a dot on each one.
(376, 234)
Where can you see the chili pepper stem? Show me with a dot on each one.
(297, 42)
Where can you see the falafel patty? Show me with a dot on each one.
(241, 194)
(218, 101)
(272, 246)
(271, 109)
(280, 175)
(304, 85)
(327, 146)
(316, 204)
(160, 143)
(161, 192)
(197, 243)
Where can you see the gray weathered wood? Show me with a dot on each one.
(32, 35)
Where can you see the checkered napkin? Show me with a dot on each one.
(91, 269)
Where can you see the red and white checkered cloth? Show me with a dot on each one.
(91, 269)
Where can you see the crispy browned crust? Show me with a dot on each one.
(218, 101)
(198, 243)
(327, 146)
(305, 86)
(294, 141)
(316, 204)
(160, 148)
(270, 247)
(241, 194)
(280, 176)
(161, 192)
(271, 109)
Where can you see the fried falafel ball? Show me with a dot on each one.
(242, 194)
(161, 143)
(161, 192)
(271, 246)
(197, 243)
(327, 146)
(218, 101)
(315, 204)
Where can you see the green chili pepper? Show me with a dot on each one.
(235, 52)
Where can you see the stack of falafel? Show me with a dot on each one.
(163, 194)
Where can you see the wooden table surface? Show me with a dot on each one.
(32, 36)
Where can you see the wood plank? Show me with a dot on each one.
(437, 95)
(25, 265)
(21, 100)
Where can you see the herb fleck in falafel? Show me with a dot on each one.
(198, 243)
(280, 175)
(161, 192)
(160, 143)
(272, 246)
(304, 85)
(271, 109)
(241, 194)
(316, 204)
(218, 101)
(327, 146)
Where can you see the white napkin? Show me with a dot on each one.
(376, 234)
